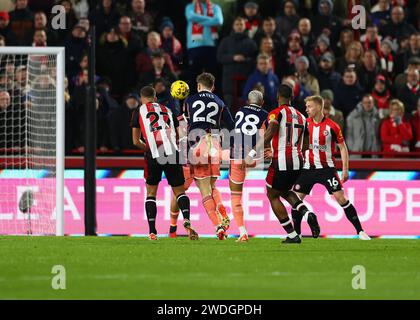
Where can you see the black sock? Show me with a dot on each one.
(172, 229)
(184, 205)
(351, 215)
(151, 212)
(287, 225)
(297, 220)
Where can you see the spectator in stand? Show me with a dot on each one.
(113, 61)
(326, 22)
(410, 93)
(22, 23)
(252, 18)
(329, 110)
(413, 50)
(294, 50)
(346, 38)
(2, 41)
(203, 19)
(236, 53)
(362, 127)
(415, 124)
(5, 30)
(348, 92)
(106, 16)
(71, 21)
(134, 47)
(381, 95)
(397, 27)
(159, 71)
(372, 40)
(308, 37)
(387, 58)
(69, 120)
(41, 23)
(120, 132)
(269, 30)
(39, 38)
(322, 47)
(327, 77)
(267, 48)
(264, 75)
(401, 79)
(381, 13)
(76, 45)
(144, 58)
(368, 71)
(396, 132)
(170, 44)
(81, 8)
(141, 19)
(305, 79)
(288, 20)
(352, 58)
(7, 121)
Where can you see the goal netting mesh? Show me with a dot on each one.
(28, 100)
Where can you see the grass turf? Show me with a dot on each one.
(135, 268)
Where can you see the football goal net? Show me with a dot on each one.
(31, 140)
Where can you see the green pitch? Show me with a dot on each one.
(135, 268)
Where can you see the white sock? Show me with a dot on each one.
(292, 235)
(242, 230)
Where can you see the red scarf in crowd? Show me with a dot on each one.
(294, 55)
(413, 89)
(198, 29)
(252, 25)
(377, 48)
(387, 63)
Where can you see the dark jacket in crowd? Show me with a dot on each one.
(118, 53)
(328, 80)
(236, 43)
(22, 24)
(149, 77)
(330, 22)
(270, 82)
(397, 31)
(346, 97)
(103, 20)
(409, 97)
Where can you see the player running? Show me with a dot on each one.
(320, 163)
(284, 135)
(204, 111)
(249, 120)
(154, 131)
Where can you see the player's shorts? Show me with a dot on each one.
(206, 157)
(281, 180)
(328, 177)
(188, 176)
(153, 172)
(237, 172)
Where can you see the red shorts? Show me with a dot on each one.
(237, 172)
(206, 157)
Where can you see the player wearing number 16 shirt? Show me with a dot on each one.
(154, 130)
(204, 112)
(284, 136)
(319, 165)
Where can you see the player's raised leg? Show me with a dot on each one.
(281, 214)
(220, 208)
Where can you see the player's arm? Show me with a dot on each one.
(345, 160)
(273, 127)
(305, 144)
(136, 135)
(228, 119)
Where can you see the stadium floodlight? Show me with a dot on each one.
(32, 112)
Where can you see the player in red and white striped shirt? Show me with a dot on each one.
(154, 131)
(319, 165)
(284, 137)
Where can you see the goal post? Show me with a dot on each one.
(32, 120)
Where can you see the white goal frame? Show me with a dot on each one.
(60, 121)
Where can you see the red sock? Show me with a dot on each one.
(237, 209)
(210, 207)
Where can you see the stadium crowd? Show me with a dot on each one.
(369, 78)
